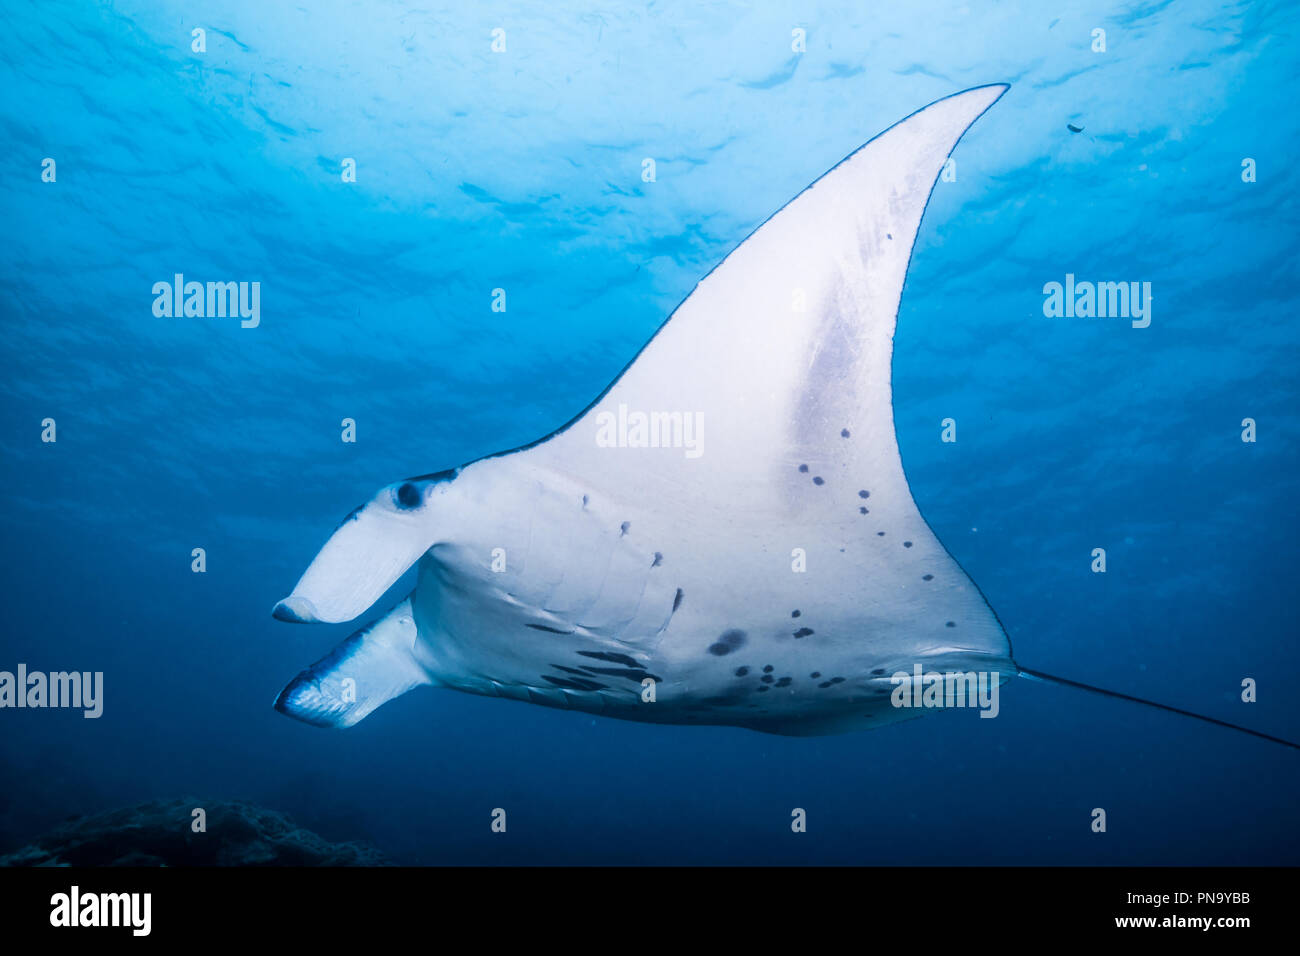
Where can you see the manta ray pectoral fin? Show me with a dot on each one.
(775, 372)
(367, 553)
(371, 667)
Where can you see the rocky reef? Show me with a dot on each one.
(162, 833)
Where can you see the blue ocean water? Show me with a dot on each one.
(521, 170)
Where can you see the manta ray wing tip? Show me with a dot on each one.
(997, 91)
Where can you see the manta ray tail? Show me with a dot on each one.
(1066, 682)
(371, 667)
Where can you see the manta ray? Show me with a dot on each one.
(776, 575)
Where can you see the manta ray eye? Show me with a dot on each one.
(408, 496)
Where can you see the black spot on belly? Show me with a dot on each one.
(742, 671)
(659, 559)
(611, 657)
(844, 433)
(837, 680)
(864, 494)
(408, 496)
(927, 577)
(889, 235)
(784, 682)
(795, 613)
(574, 683)
(677, 599)
(803, 469)
(818, 481)
(768, 668)
(727, 642)
(950, 624)
(764, 689)
(862, 510)
(767, 678)
(815, 674)
(803, 632)
(824, 684)
(878, 671)
(548, 630)
(880, 534)
(907, 544)
(622, 529)
(584, 501)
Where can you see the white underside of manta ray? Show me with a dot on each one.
(569, 573)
